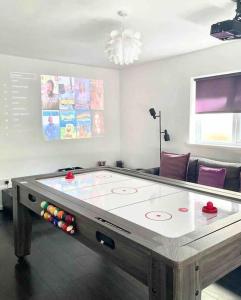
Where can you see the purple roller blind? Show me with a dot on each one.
(218, 94)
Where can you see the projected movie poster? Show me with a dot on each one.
(97, 95)
(50, 119)
(66, 93)
(82, 93)
(83, 124)
(72, 107)
(49, 92)
(97, 123)
(67, 124)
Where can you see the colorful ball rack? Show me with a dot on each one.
(58, 217)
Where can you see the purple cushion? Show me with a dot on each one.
(174, 165)
(211, 176)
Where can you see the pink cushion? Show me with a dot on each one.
(211, 176)
(174, 165)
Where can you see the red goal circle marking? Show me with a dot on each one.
(183, 209)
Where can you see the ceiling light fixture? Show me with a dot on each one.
(124, 45)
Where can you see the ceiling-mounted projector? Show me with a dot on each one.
(230, 29)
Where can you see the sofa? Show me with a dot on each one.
(233, 171)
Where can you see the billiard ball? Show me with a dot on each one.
(44, 205)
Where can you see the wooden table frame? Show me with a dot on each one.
(172, 268)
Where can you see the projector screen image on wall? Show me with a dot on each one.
(72, 108)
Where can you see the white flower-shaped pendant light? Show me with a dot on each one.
(124, 45)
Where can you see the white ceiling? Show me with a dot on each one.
(76, 30)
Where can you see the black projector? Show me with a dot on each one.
(226, 30)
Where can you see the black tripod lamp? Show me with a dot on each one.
(166, 135)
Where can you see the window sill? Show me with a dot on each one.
(224, 147)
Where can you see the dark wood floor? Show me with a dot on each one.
(62, 268)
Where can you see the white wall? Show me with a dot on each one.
(23, 150)
(165, 85)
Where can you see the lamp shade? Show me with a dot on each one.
(123, 47)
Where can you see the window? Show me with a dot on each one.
(218, 129)
(216, 111)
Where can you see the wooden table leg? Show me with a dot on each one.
(157, 280)
(22, 222)
(187, 283)
(168, 283)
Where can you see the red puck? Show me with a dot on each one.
(209, 208)
(69, 175)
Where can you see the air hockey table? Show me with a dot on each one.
(151, 227)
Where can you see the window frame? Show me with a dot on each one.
(238, 129)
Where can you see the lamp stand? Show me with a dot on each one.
(160, 131)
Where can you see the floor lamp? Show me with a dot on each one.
(166, 135)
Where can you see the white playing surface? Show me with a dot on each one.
(169, 211)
